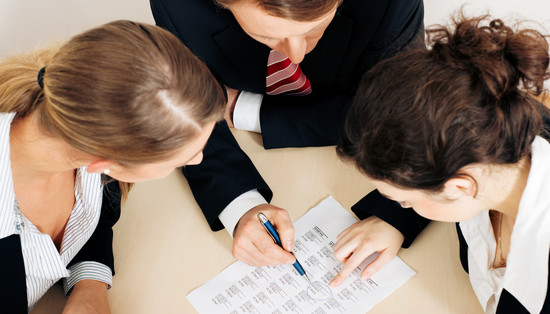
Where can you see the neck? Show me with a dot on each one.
(36, 155)
(508, 186)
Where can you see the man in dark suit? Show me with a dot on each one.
(329, 45)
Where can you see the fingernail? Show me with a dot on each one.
(366, 275)
(290, 245)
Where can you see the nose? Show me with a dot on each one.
(295, 49)
(196, 160)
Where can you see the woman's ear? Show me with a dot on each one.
(462, 185)
(100, 165)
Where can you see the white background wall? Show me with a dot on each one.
(25, 24)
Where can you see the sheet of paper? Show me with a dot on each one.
(279, 289)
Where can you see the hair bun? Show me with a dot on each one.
(499, 56)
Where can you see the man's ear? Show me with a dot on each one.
(462, 185)
(100, 165)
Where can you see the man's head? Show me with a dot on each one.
(292, 27)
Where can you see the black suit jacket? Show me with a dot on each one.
(362, 33)
(99, 248)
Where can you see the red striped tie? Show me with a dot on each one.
(285, 77)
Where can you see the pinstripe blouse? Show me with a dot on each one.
(44, 264)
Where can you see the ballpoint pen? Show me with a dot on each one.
(275, 236)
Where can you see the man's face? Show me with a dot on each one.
(294, 39)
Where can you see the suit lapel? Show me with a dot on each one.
(13, 289)
(247, 56)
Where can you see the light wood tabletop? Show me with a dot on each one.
(164, 248)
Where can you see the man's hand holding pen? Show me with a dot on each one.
(253, 245)
(270, 229)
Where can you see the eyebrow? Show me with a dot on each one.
(309, 31)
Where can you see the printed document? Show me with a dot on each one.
(280, 289)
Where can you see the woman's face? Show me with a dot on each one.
(190, 154)
(294, 39)
(434, 206)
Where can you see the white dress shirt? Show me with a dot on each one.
(44, 264)
(246, 115)
(526, 273)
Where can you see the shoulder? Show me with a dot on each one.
(191, 12)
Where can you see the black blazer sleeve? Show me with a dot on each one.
(99, 247)
(225, 173)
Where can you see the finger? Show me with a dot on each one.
(274, 254)
(342, 254)
(343, 233)
(383, 258)
(350, 246)
(353, 262)
(343, 240)
(245, 247)
(265, 251)
(245, 251)
(284, 226)
(246, 258)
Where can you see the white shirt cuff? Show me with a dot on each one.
(238, 207)
(246, 115)
(87, 270)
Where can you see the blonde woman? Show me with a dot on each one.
(124, 101)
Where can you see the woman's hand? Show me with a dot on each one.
(361, 240)
(88, 296)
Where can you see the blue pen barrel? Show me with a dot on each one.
(275, 236)
(273, 233)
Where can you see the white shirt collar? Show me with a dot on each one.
(7, 197)
(526, 274)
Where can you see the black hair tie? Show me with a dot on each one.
(40, 77)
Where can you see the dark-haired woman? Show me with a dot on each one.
(125, 101)
(454, 133)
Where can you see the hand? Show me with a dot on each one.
(232, 95)
(88, 296)
(362, 239)
(254, 246)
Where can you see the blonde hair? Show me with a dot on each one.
(124, 91)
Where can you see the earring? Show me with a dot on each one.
(107, 171)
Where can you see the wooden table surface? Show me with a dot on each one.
(164, 248)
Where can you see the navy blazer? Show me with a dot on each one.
(361, 34)
(99, 248)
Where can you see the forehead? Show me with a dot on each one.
(258, 22)
(391, 191)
